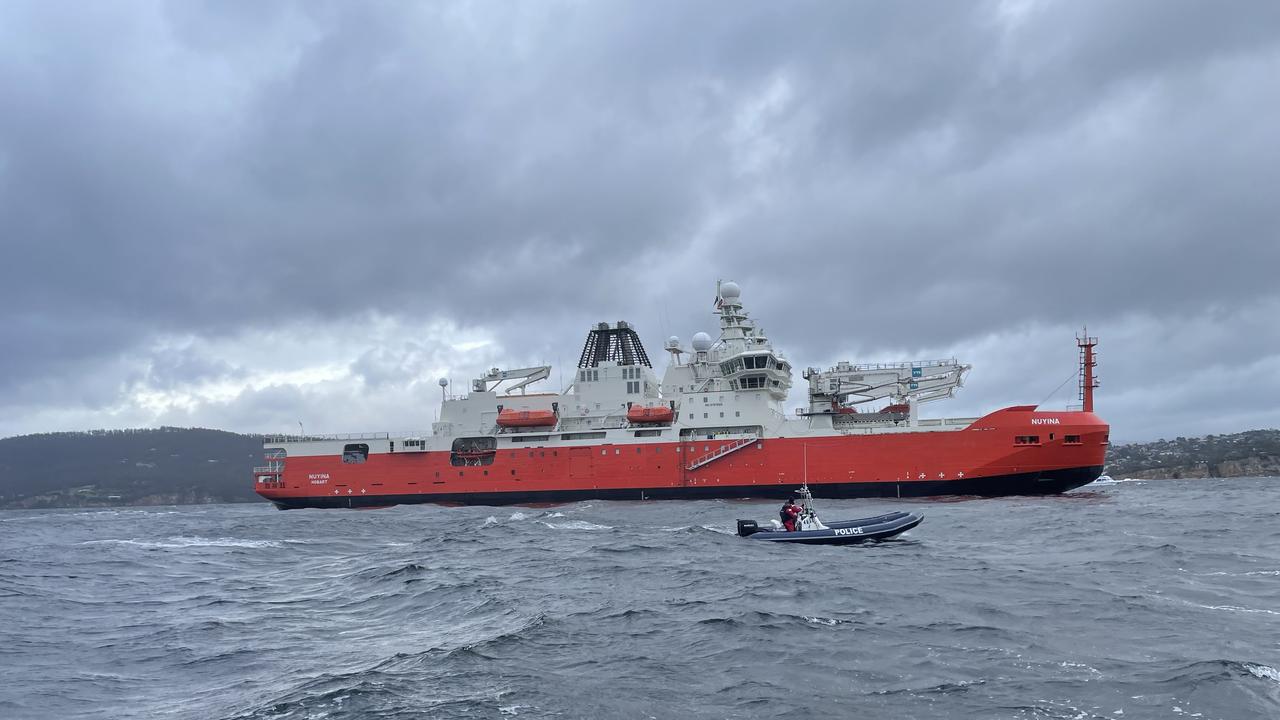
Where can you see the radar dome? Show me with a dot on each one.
(702, 342)
(443, 382)
(730, 290)
(673, 342)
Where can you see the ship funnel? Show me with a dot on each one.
(620, 344)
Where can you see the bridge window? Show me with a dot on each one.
(355, 453)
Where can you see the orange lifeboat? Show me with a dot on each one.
(650, 414)
(526, 418)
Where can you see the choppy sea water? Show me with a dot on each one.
(1127, 600)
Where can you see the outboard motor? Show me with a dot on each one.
(747, 527)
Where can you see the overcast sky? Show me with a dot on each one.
(244, 215)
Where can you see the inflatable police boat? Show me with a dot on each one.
(812, 531)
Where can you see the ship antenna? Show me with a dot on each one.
(1087, 363)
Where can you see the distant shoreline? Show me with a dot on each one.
(160, 502)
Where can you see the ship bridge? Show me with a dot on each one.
(742, 361)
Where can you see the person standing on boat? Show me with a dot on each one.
(790, 512)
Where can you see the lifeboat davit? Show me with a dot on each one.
(526, 418)
(650, 414)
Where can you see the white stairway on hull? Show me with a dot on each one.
(725, 450)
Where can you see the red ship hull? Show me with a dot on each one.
(994, 455)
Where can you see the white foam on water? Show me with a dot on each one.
(821, 621)
(720, 530)
(577, 525)
(1265, 672)
(1236, 608)
(1082, 666)
(493, 519)
(186, 542)
(91, 514)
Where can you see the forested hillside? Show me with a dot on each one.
(127, 467)
(1255, 453)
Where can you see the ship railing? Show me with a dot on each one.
(903, 365)
(947, 422)
(271, 467)
(312, 437)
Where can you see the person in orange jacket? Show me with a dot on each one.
(790, 512)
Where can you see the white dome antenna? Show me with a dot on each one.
(701, 342)
(673, 346)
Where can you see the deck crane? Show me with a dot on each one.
(526, 376)
(838, 388)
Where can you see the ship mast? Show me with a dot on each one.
(1087, 363)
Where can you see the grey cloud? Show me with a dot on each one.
(879, 177)
(171, 368)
